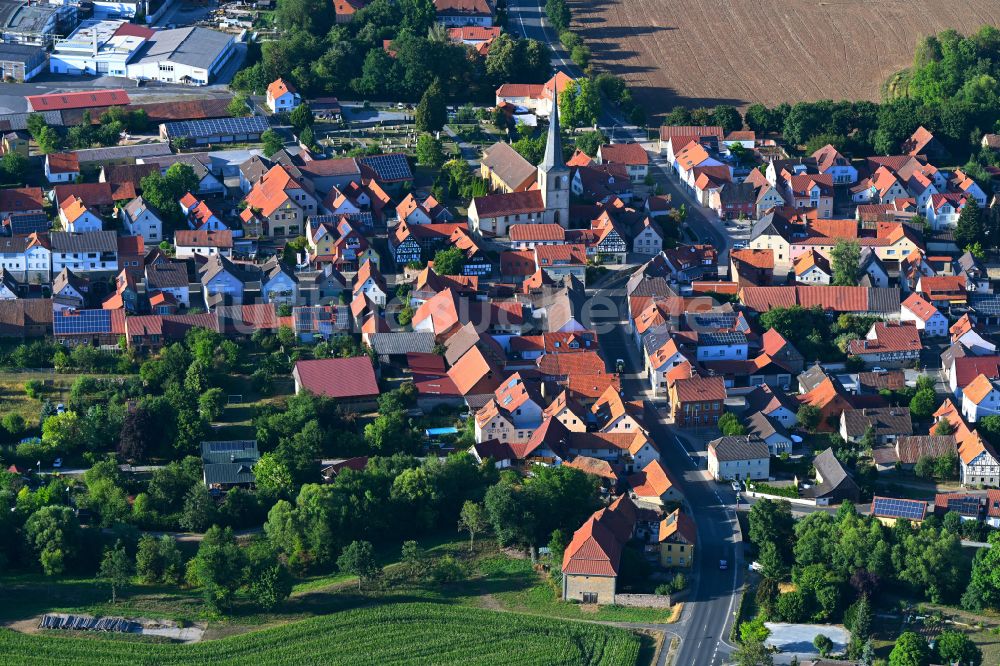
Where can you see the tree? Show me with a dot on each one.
(48, 140)
(955, 647)
(116, 569)
(358, 558)
(429, 151)
(754, 631)
(923, 403)
(14, 167)
(414, 561)
(53, 533)
(199, 509)
(239, 106)
(791, 607)
(211, 403)
(136, 434)
(846, 263)
(727, 117)
(823, 644)
(808, 417)
(753, 654)
(218, 568)
(589, 142)
(970, 227)
(301, 117)
(472, 519)
(272, 476)
(62, 432)
(558, 15)
(984, 583)
(910, 650)
(449, 261)
(158, 560)
(730, 425)
(431, 113)
(272, 142)
(943, 428)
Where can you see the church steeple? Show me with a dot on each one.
(553, 143)
(553, 174)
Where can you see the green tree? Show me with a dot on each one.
(54, 534)
(239, 106)
(472, 519)
(846, 263)
(754, 631)
(358, 558)
(727, 117)
(14, 168)
(730, 425)
(589, 142)
(430, 152)
(272, 476)
(158, 560)
(301, 117)
(808, 417)
(970, 227)
(823, 644)
(449, 261)
(62, 432)
(116, 569)
(272, 142)
(218, 568)
(923, 404)
(431, 114)
(48, 140)
(910, 650)
(791, 607)
(984, 584)
(415, 561)
(954, 647)
(753, 654)
(558, 14)
(199, 509)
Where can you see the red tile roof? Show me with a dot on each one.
(202, 238)
(700, 389)
(596, 547)
(63, 163)
(76, 100)
(919, 307)
(512, 203)
(632, 154)
(537, 232)
(339, 377)
(902, 337)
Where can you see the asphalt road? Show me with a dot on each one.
(706, 621)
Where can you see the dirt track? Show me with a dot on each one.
(707, 52)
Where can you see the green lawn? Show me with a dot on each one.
(399, 633)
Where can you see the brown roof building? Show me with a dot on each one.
(350, 381)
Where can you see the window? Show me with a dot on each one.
(589, 597)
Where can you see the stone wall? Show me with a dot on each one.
(643, 600)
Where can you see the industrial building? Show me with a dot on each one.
(191, 56)
(21, 62)
(24, 22)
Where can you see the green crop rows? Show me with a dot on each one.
(392, 634)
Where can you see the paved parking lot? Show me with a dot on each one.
(797, 639)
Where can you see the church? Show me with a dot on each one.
(547, 201)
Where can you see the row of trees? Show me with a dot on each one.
(321, 57)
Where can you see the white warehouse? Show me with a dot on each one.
(189, 55)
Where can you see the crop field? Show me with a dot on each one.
(390, 634)
(708, 52)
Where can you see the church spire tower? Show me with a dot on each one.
(553, 174)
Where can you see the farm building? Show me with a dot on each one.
(218, 130)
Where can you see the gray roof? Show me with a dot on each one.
(217, 264)
(229, 473)
(716, 338)
(508, 164)
(134, 151)
(93, 241)
(812, 378)
(66, 278)
(743, 447)
(833, 474)
(883, 299)
(19, 121)
(402, 342)
(273, 268)
(137, 206)
(760, 425)
(883, 420)
(224, 451)
(162, 276)
(255, 167)
(196, 47)
(216, 127)
(197, 162)
(553, 159)
(23, 53)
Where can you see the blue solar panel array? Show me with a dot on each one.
(389, 167)
(81, 322)
(890, 507)
(216, 126)
(966, 505)
(230, 446)
(28, 223)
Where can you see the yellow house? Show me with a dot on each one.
(14, 142)
(369, 254)
(770, 234)
(677, 539)
(505, 169)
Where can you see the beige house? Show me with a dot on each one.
(678, 536)
(505, 169)
(591, 561)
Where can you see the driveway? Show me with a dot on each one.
(797, 639)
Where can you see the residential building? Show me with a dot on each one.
(632, 155)
(140, 219)
(168, 279)
(278, 283)
(282, 96)
(978, 462)
(888, 344)
(457, 13)
(92, 252)
(678, 536)
(204, 243)
(77, 218)
(62, 167)
(591, 562)
(350, 382)
(927, 319)
(981, 397)
(886, 424)
(741, 457)
(229, 464)
(697, 401)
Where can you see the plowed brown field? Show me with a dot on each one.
(707, 52)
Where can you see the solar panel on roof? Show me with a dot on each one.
(81, 322)
(226, 447)
(891, 507)
(214, 126)
(967, 506)
(389, 167)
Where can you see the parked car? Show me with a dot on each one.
(57, 463)
(736, 486)
(723, 565)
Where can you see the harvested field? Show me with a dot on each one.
(707, 52)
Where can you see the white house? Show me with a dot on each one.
(77, 218)
(740, 457)
(222, 282)
(92, 252)
(140, 219)
(942, 210)
(282, 96)
(928, 320)
(980, 398)
(979, 465)
(62, 168)
(648, 239)
(278, 284)
(170, 278)
(370, 282)
(722, 346)
(188, 243)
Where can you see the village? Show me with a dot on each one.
(662, 363)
